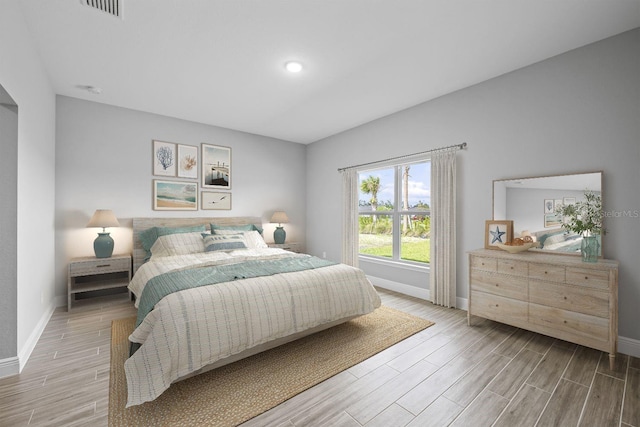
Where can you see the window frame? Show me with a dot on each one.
(396, 216)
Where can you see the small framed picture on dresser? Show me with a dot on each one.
(497, 231)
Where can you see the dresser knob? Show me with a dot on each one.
(565, 297)
(565, 321)
(586, 277)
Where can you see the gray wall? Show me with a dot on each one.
(26, 293)
(8, 232)
(104, 161)
(577, 112)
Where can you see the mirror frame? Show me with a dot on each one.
(559, 176)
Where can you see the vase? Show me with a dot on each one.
(590, 248)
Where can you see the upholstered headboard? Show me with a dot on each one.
(141, 224)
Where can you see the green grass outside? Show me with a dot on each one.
(413, 249)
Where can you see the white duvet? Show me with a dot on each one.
(191, 329)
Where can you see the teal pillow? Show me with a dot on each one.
(149, 236)
(248, 227)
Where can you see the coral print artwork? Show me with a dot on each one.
(164, 158)
(187, 161)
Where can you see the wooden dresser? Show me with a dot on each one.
(555, 295)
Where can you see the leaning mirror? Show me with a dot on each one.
(532, 202)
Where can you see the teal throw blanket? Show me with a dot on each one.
(174, 281)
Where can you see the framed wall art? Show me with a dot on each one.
(164, 158)
(497, 232)
(552, 220)
(548, 206)
(216, 167)
(212, 200)
(175, 195)
(187, 161)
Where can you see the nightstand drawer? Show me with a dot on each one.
(92, 278)
(99, 266)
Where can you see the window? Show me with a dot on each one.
(394, 213)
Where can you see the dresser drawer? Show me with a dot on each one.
(554, 273)
(498, 308)
(598, 279)
(98, 266)
(572, 298)
(482, 263)
(508, 266)
(499, 284)
(570, 324)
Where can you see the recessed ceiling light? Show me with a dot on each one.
(293, 67)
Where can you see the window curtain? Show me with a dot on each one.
(443, 228)
(350, 224)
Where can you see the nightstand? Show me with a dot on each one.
(91, 274)
(292, 247)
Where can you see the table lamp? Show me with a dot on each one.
(279, 234)
(103, 245)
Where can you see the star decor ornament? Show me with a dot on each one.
(497, 235)
(497, 232)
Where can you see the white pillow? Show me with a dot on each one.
(224, 242)
(254, 240)
(177, 244)
(554, 239)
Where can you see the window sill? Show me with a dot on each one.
(397, 264)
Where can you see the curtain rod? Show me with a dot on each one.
(459, 146)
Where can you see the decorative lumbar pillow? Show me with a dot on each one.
(224, 242)
(177, 244)
(217, 229)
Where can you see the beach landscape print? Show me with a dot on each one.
(175, 196)
(216, 166)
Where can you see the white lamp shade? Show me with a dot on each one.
(279, 217)
(103, 218)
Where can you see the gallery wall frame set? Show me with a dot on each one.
(175, 195)
(174, 160)
(497, 231)
(216, 167)
(551, 219)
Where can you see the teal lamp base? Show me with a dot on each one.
(279, 235)
(103, 245)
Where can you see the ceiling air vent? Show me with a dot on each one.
(112, 7)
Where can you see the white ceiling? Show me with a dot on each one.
(221, 62)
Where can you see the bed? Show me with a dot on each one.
(199, 309)
(559, 240)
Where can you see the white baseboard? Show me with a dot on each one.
(27, 349)
(9, 366)
(402, 288)
(629, 346)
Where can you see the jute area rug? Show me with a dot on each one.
(235, 393)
